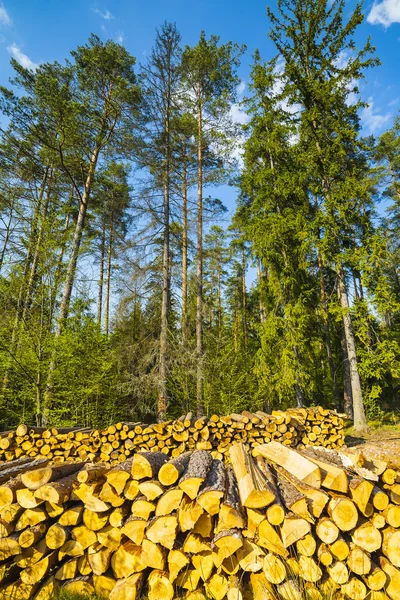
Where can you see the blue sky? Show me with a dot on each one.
(35, 31)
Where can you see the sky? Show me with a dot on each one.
(36, 31)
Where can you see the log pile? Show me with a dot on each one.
(294, 428)
(278, 524)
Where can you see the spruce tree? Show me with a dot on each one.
(314, 41)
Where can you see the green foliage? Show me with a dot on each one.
(100, 185)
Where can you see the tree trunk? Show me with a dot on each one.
(360, 421)
(199, 266)
(327, 332)
(298, 384)
(101, 274)
(261, 304)
(162, 395)
(347, 395)
(27, 266)
(244, 316)
(219, 302)
(184, 254)
(7, 234)
(108, 279)
(162, 402)
(38, 248)
(69, 281)
(58, 269)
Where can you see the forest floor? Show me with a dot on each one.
(382, 439)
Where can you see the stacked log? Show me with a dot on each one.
(277, 523)
(294, 428)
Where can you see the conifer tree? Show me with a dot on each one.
(160, 79)
(314, 40)
(209, 75)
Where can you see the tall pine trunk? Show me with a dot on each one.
(184, 252)
(38, 250)
(101, 274)
(69, 282)
(199, 266)
(360, 421)
(58, 270)
(7, 234)
(108, 278)
(244, 303)
(162, 402)
(162, 395)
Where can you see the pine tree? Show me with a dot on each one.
(209, 75)
(160, 79)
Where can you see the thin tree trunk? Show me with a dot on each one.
(58, 269)
(357, 296)
(108, 280)
(101, 274)
(199, 266)
(7, 234)
(184, 253)
(360, 421)
(261, 304)
(38, 249)
(27, 266)
(347, 393)
(162, 402)
(244, 304)
(236, 329)
(219, 301)
(162, 395)
(69, 281)
(298, 384)
(329, 353)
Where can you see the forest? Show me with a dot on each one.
(125, 293)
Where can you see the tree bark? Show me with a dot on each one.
(298, 384)
(360, 421)
(101, 274)
(162, 402)
(347, 394)
(261, 304)
(184, 253)
(38, 249)
(7, 234)
(58, 269)
(199, 265)
(327, 332)
(108, 278)
(69, 281)
(244, 307)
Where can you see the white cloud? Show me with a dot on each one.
(22, 58)
(384, 13)
(240, 88)
(5, 18)
(104, 15)
(342, 60)
(371, 120)
(238, 115)
(120, 37)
